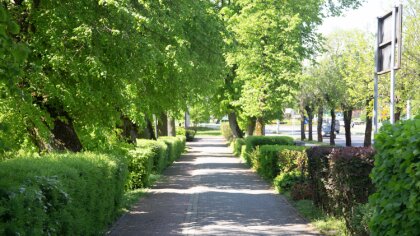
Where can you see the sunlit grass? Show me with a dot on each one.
(203, 131)
(326, 225)
(131, 197)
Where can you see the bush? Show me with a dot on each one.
(270, 160)
(251, 142)
(301, 191)
(140, 167)
(350, 184)
(236, 145)
(226, 131)
(60, 194)
(359, 220)
(159, 149)
(176, 146)
(284, 181)
(396, 176)
(189, 133)
(318, 172)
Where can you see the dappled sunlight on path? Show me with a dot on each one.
(210, 192)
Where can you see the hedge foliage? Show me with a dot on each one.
(318, 172)
(76, 194)
(160, 153)
(176, 146)
(60, 194)
(189, 133)
(270, 160)
(226, 131)
(236, 145)
(349, 180)
(140, 167)
(396, 176)
(251, 142)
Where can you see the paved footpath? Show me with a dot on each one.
(208, 191)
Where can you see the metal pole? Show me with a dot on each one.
(392, 95)
(375, 81)
(408, 109)
(156, 125)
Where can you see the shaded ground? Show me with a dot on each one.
(209, 192)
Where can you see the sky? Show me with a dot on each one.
(363, 18)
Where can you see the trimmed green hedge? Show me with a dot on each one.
(159, 149)
(396, 176)
(226, 131)
(140, 167)
(270, 160)
(176, 146)
(251, 142)
(236, 145)
(60, 194)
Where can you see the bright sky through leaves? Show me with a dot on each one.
(363, 18)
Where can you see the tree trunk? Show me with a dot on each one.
(368, 131)
(310, 113)
(233, 124)
(319, 125)
(302, 126)
(150, 129)
(130, 130)
(332, 131)
(397, 114)
(259, 127)
(43, 145)
(171, 127)
(64, 134)
(251, 126)
(347, 125)
(163, 125)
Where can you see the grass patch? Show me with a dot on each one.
(131, 197)
(327, 225)
(204, 131)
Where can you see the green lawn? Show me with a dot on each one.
(203, 131)
(131, 197)
(326, 225)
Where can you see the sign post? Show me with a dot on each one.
(388, 44)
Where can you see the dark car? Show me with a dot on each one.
(326, 128)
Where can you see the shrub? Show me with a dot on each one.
(318, 171)
(270, 160)
(159, 149)
(350, 184)
(60, 194)
(396, 175)
(350, 169)
(236, 145)
(253, 141)
(301, 191)
(140, 167)
(284, 181)
(189, 133)
(226, 131)
(176, 146)
(359, 220)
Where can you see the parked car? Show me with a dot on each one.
(326, 128)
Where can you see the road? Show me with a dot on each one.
(294, 131)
